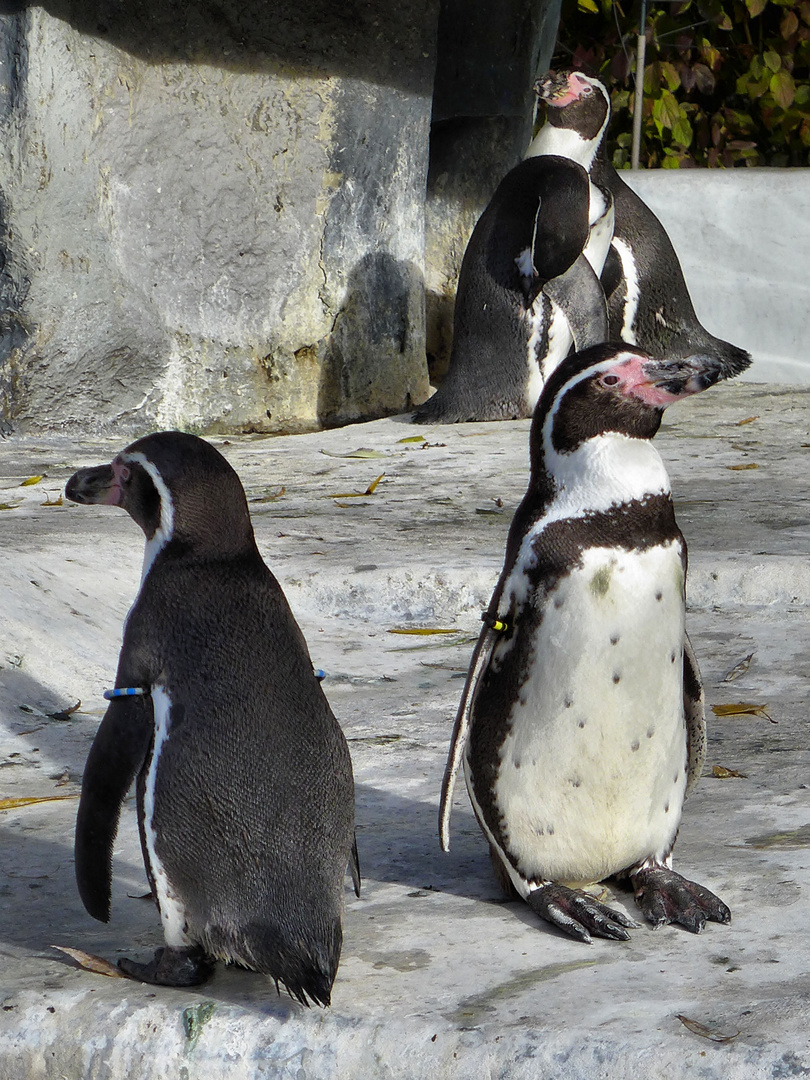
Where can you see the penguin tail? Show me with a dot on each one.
(733, 360)
(303, 959)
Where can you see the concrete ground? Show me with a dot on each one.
(440, 977)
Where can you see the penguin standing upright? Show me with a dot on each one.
(245, 790)
(581, 725)
(529, 283)
(647, 297)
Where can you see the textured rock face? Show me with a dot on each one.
(213, 216)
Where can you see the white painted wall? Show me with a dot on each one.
(743, 239)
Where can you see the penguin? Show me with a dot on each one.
(647, 297)
(245, 791)
(581, 724)
(529, 289)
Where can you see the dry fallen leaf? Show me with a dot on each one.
(743, 708)
(739, 669)
(32, 480)
(65, 714)
(372, 487)
(747, 420)
(97, 964)
(361, 452)
(720, 772)
(412, 439)
(422, 631)
(705, 1033)
(9, 506)
(743, 468)
(270, 496)
(12, 804)
(58, 501)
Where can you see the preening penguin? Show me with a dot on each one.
(244, 780)
(648, 301)
(581, 725)
(529, 283)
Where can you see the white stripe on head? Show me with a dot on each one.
(165, 529)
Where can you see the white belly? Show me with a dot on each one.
(593, 771)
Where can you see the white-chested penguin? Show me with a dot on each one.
(581, 725)
(529, 286)
(648, 301)
(245, 789)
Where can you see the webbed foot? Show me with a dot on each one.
(171, 966)
(578, 914)
(666, 897)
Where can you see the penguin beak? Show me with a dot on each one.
(680, 378)
(96, 485)
(551, 86)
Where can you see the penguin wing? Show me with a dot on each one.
(116, 756)
(579, 295)
(461, 729)
(694, 714)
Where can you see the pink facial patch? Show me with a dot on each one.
(115, 494)
(635, 380)
(575, 90)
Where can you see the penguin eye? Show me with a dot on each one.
(586, 89)
(124, 474)
(609, 380)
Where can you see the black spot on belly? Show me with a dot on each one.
(558, 602)
(659, 595)
(666, 808)
(616, 677)
(575, 781)
(581, 723)
(634, 745)
(614, 639)
(650, 732)
(550, 830)
(672, 658)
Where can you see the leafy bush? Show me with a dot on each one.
(725, 83)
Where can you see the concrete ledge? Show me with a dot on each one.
(440, 978)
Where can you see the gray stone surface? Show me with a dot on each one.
(439, 977)
(743, 239)
(214, 216)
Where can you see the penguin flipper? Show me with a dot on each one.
(461, 729)
(694, 715)
(116, 756)
(579, 295)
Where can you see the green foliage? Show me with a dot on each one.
(726, 82)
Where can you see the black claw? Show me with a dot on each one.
(578, 914)
(665, 897)
(171, 967)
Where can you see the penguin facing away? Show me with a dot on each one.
(529, 286)
(647, 297)
(244, 781)
(581, 725)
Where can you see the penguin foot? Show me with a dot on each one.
(666, 897)
(171, 967)
(578, 914)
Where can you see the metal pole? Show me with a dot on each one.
(641, 51)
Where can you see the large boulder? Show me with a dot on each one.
(213, 215)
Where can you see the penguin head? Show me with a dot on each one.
(612, 388)
(178, 488)
(576, 118)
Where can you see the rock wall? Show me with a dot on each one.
(213, 216)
